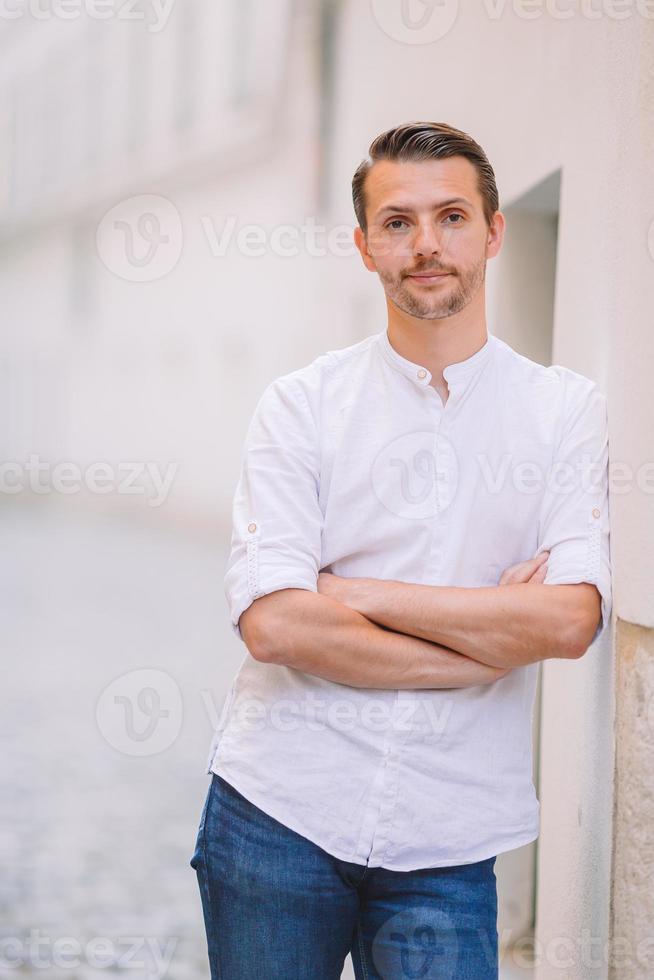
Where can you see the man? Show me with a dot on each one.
(421, 518)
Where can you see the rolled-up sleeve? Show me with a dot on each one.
(276, 517)
(574, 519)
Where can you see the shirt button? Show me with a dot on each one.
(252, 527)
(422, 373)
(596, 512)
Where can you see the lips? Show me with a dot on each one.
(428, 276)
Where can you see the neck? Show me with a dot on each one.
(437, 343)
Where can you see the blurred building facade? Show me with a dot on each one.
(176, 223)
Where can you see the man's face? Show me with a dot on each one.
(427, 217)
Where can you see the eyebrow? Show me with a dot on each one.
(407, 208)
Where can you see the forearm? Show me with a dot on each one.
(506, 626)
(321, 636)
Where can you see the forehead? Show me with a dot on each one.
(420, 183)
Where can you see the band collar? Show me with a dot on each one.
(455, 374)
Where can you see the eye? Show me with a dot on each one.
(395, 221)
(455, 214)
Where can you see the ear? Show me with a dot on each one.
(495, 235)
(362, 244)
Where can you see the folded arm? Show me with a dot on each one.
(321, 636)
(507, 626)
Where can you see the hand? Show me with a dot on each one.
(531, 570)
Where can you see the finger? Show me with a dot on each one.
(514, 575)
(539, 574)
(523, 570)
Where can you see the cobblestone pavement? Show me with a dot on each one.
(106, 784)
(95, 839)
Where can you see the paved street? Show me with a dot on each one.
(96, 841)
(100, 821)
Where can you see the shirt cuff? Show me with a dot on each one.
(564, 570)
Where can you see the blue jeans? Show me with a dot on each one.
(278, 907)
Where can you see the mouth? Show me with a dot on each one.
(426, 279)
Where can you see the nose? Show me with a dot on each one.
(427, 240)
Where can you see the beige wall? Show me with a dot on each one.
(632, 939)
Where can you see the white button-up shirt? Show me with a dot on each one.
(354, 465)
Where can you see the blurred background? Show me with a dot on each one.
(176, 231)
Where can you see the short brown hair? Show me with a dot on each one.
(425, 141)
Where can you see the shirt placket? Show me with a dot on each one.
(387, 780)
(444, 482)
